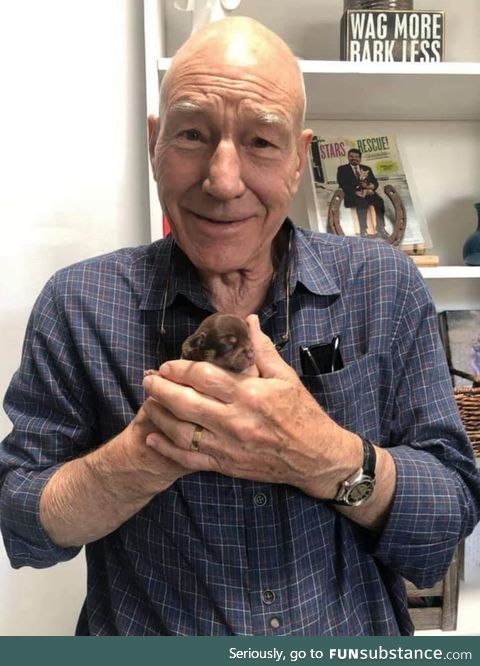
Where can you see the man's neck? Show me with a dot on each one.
(243, 292)
(238, 293)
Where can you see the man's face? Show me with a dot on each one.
(227, 160)
(354, 158)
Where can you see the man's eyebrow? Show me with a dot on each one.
(186, 107)
(259, 117)
(270, 118)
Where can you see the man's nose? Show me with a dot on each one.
(224, 179)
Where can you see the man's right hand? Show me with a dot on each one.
(91, 496)
(153, 472)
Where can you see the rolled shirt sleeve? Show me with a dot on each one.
(431, 513)
(437, 495)
(26, 541)
(53, 422)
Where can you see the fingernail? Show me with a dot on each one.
(151, 440)
(165, 369)
(147, 383)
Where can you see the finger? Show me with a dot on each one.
(205, 378)
(185, 402)
(251, 371)
(195, 461)
(267, 359)
(181, 433)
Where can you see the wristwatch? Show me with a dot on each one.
(356, 490)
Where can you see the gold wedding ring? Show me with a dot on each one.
(197, 436)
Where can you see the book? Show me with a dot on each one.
(460, 333)
(381, 170)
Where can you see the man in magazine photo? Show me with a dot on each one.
(292, 498)
(360, 186)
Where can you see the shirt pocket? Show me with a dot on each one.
(350, 395)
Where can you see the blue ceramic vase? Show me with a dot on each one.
(471, 247)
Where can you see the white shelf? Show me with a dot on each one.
(425, 68)
(388, 91)
(392, 91)
(449, 272)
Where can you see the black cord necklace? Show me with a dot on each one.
(285, 337)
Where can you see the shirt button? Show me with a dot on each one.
(268, 597)
(260, 499)
(275, 622)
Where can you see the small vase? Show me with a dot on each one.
(471, 247)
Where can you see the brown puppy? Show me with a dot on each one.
(221, 339)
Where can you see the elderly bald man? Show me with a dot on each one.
(289, 499)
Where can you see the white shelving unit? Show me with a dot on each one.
(420, 100)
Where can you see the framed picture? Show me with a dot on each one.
(357, 185)
(460, 332)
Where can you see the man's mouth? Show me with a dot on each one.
(220, 220)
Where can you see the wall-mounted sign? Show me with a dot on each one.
(392, 36)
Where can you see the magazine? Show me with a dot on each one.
(365, 170)
(460, 332)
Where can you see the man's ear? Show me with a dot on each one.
(303, 154)
(153, 124)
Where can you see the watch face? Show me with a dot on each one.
(360, 492)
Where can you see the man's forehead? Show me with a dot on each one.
(247, 109)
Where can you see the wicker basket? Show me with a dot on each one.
(468, 402)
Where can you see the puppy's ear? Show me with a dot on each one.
(192, 347)
(197, 340)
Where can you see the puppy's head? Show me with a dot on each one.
(223, 340)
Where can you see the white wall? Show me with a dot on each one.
(73, 184)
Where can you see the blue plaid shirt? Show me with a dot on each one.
(219, 556)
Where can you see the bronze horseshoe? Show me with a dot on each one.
(400, 224)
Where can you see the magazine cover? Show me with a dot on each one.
(460, 332)
(365, 169)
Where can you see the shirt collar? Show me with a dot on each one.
(308, 268)
(174, 274)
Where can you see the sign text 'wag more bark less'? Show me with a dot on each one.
(392, 36)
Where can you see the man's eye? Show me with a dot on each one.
(258, 142)
(191, 135)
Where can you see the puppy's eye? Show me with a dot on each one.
(227, 343)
